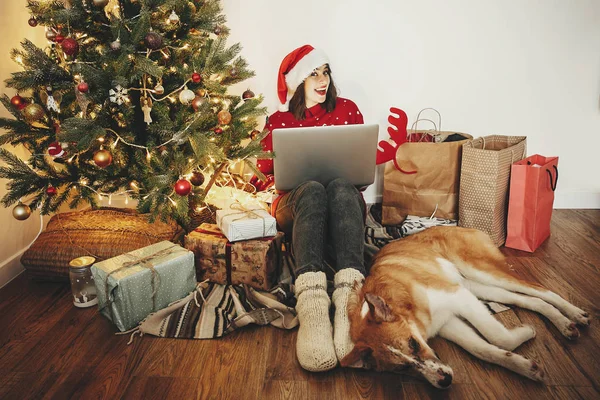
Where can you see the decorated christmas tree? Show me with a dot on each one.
(129, 98)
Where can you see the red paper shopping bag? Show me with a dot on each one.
(532, 184)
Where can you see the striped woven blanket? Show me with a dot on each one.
(214, 310)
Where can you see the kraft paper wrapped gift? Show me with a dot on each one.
(240, 223)
(135, 284)
(255, 262)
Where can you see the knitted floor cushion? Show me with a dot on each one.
(102, 233)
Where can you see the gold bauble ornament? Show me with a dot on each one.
(224, 117)
(103, 158)
(192, 7)
(198, 102)
(33, 112)
(21, 211)
(159, 89)
(100, 3)
(201, 92)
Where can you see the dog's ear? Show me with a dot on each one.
(378, 309)
(357, 358)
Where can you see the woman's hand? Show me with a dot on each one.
(263, 185)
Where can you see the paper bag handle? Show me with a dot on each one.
(553, 186)
(436, 111)
(414, 128)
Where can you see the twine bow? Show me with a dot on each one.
(245, 212)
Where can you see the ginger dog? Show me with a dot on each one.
(430, 283)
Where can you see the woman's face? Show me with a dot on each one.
(316, 85)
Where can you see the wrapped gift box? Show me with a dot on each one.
(135, 284)
(254, 262)
(240, 223)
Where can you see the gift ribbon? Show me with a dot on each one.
(228, 250)
(246, 213)
(144, 262)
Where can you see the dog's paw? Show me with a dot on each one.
(535, 372)
(582, 319)
(570, 331)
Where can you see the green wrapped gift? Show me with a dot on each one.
(135, 284)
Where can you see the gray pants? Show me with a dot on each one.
(318, 218)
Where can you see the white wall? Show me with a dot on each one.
(513, 67)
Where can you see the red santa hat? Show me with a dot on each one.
(294, 69)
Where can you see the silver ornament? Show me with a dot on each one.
(173, 18)
(186, 96)
(116, 45)
(118, 95)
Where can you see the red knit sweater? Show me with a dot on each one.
(344, 113)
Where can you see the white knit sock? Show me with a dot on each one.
(344, 282)
(314, 346)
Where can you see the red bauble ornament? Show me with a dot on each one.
(196, 77)
(183, 187)
(59, 39)
(218, 131)
(32, 22)
(70, 46)
(56, 150)
(51, 191)
(83, 87)
(17, 102)
(197, 178)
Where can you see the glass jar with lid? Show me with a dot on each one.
(82, 282)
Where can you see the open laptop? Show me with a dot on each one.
(324, 153)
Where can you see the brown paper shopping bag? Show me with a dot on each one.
(423, 178)
(484, 180)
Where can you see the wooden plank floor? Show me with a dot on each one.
(50, 349)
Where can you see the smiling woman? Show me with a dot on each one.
(313, 215)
